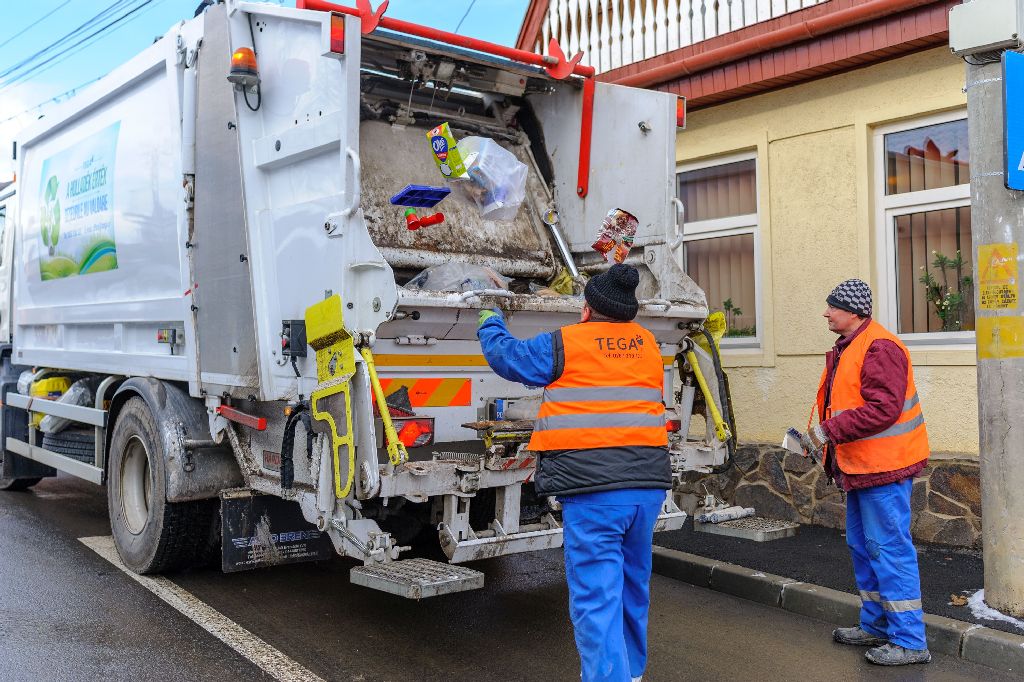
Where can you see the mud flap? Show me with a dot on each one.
(15, 425)
(263, 530)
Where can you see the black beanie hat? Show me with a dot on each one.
(613, 293)
(853, 296)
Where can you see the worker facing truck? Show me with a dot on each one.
(603, 451)
(872, 434)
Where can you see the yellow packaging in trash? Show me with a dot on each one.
(446, 151)
(50, 388)
(562, 283)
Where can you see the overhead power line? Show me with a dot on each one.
(55, 98)
(464, 15)
(59, 42)
(94, 40)
(33, 24)
(37, 68)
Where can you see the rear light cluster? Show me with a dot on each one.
(415, 432)
(337, 34)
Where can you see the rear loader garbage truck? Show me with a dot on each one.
(207, 304)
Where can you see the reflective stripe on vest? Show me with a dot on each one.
(899, 446)
(609, 394)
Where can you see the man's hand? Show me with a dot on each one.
(486, 315)
(814, 441)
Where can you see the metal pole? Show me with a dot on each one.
(997, 218)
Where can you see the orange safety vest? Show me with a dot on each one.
(610, 392)
(902, 444)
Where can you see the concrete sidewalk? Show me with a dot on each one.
(811, 574)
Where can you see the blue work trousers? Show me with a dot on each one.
(608, 568)
(885, 563)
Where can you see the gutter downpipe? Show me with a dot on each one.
(805, 30)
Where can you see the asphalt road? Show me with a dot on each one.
(68, 614)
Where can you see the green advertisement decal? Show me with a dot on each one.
(76, 208)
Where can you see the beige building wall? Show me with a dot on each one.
(817, 226)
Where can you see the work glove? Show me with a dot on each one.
(486, 315)
(814, 441)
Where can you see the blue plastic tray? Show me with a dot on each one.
(420, 196)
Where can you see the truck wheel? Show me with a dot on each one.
(152, 535)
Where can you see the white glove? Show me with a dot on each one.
(814, 441)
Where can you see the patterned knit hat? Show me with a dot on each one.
(613, 293)
(853, 296)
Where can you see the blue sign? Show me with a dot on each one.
(1013, 101)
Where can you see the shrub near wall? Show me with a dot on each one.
(946, 500)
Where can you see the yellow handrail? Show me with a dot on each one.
(721, 429)
(396, 448)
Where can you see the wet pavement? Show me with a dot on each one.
(820, 556)
(67, 614)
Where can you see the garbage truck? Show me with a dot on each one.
(205, 300)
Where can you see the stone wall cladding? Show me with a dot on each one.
(945, 503)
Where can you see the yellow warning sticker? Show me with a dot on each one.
(998, 288)
(1000, 337)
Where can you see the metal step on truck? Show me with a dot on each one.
(202, 292)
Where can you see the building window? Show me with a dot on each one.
(720, 239)
(925, 218)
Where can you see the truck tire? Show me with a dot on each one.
(151, 534)
(77, 444)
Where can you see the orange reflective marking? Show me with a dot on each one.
(433, 392)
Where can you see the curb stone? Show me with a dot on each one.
(994, 648)
(969, 641)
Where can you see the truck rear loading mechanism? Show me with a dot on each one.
(228, 281)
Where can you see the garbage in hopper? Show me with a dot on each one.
(495, 180)
(420, 196)
(616, 234)
(414, 222)
(447, 155)
(457, 277)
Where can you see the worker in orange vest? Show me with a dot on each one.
(603, 451)
(872, 434)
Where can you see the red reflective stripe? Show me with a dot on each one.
(231, 414)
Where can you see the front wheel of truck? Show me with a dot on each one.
(152, 535)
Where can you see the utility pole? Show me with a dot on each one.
(997, 223)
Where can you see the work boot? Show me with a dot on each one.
(894, 654)
(857, 636)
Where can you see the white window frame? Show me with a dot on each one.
(890, 207)
(730, 227)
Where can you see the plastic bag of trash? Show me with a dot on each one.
(495, 180)
(80, 393)
(457, 277)
(25, 381)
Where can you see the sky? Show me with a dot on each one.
(28, 27)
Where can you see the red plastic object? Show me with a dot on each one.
(586, 131)
(444, 36)
(414, 222)
(231, 414)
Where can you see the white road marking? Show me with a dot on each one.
(261, 654)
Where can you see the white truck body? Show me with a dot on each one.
(181, 208)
